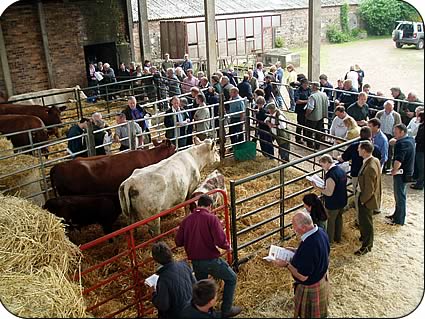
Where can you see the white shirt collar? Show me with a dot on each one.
(309, 233)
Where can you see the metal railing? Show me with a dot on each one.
(122, 275)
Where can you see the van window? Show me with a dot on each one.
(419, 28)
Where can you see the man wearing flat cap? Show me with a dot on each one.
(316, 112)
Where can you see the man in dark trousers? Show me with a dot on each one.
(309, 268)
(174, 286)
(369, 194)
(201, 233)
(301, 99)
(402, 172)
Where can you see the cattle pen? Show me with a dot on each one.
(263, 195)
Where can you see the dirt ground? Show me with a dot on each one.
(388, 282)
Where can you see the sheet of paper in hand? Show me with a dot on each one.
(316, 180)
(152, 280)
(277, 252)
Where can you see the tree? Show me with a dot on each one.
(380, 16)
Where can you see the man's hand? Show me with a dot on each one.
(394, 171)
(280, 263)
(392, 141)
(291, 249)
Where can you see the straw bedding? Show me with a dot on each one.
(36, 263)
(6, 147)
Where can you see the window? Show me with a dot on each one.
(191, 33)
(231, 29)
(419, 28)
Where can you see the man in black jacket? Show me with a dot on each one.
(175, 117)
(135, 112)
(174, 286)
(245, 89)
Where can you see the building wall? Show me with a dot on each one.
(70, 25)
(293, 29)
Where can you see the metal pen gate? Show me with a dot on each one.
(120, 276)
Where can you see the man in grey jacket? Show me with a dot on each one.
(316, 112)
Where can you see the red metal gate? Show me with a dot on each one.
(113, 274)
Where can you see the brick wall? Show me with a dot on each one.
(22, 36)
(70, 25)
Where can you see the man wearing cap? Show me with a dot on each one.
(316, 112)
(397, 94)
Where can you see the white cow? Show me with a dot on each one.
(60, 97)
(160, 186)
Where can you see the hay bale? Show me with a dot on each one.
(46, 293)
(15, 164)
(32, 238)
(6, 147)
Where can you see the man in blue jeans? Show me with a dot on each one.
(201, 233)
(404, 161)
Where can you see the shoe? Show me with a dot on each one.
(362, 251)
(376, 212)
(234, 311)
(392, 223)
(416, 187)
(390, 217)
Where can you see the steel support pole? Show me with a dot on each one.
(145, 44)
(210, 36)
(5, 66)
(314, 26)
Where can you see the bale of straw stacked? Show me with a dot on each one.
(37, 262)
(15, 164)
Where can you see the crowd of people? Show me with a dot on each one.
(390, 133)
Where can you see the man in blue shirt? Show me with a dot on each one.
(187, 64)
(379, 139)
(309, 268)
(237, 105)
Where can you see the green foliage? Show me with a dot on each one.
(278, 43)
(335, 35)
(380, 16)
(344, 17)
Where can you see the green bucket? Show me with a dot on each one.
(245, 151)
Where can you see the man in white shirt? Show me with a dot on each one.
(353, 76)
(338, 127)
(277, 124)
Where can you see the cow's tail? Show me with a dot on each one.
(125, 201)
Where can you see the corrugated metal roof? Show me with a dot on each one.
(178, 9)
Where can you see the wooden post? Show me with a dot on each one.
(5, 66)
(314, 26)
(52, 79)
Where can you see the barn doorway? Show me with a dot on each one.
(104, 52)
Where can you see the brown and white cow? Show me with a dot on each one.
(158, 187)
(215, 180)
(49, 115)
(56, 97)
(16, 123)
(104, 173)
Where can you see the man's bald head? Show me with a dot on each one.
(302, 222)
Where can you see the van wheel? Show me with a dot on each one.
(420, 44)
(398, 45)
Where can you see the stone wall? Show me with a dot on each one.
(70, 25)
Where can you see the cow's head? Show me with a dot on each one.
(54, 115)
(168, 147)
(206, 150)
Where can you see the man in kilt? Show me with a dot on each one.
(309, 268)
